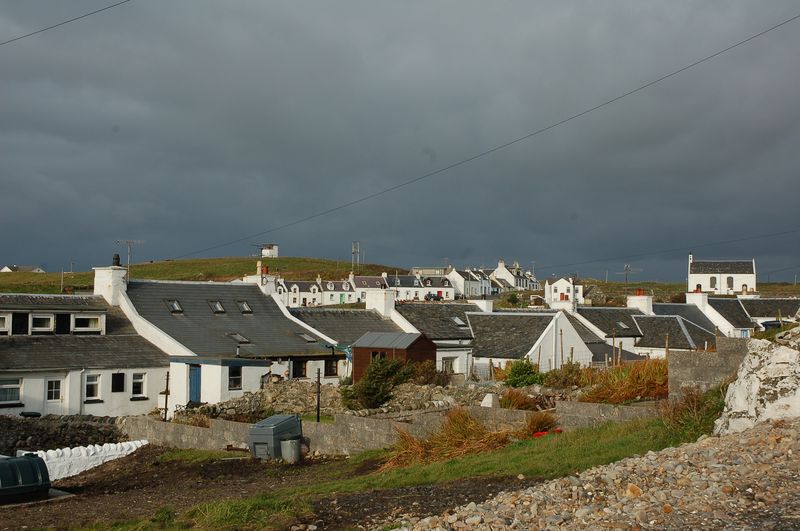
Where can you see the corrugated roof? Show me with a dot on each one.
(270, 333)
(389, 340)
(436, 319)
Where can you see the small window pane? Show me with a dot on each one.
(174, 306)
(118, 382)
(299, 369)
(54, 389)
(234, 378)
(331, 367)
(137, 384)
(10, 389)
(244, 307)
(92, 385)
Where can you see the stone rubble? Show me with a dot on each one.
(747, 480)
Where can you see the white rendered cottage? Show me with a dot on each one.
(563, 293)
(721, 277)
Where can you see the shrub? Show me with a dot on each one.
(567, 375)
(375, 387)
(693, 413)
(425, 373)
(646, 379)
(537, 423)
(513, 299)
(522, 373)
(193, 419)
(515, 399)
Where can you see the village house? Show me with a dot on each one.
(336, 291)
(438, 288)
(514, 276)
(727, 314)
(771, 311)
(69, 355)
(469, 284)
(563, 294)
(721, 277)
(21, 269)
(401, 346)
(406, 287)
(365, 284)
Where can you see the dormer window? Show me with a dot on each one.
(41, 323)
(244, 307)
(416, 282)
(216, 306)
(239, 338)
(622, 325)
(330, 286)
(397, 282)
(174, 306)
(345, 286)
(428, 282)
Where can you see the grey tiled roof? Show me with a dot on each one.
(24, 301)
(386, 340)
(608, 320)
(338, 285)
(732, 310)
(437, 282)
(403, 281)
(510, 336)
(655, 329)
(603, 351)
(722, 267)
(690, 312)
(205, 333)
(435, 319)
(343, 325)
(771, 307)
(304, 286)
(369, 282)
(586, 335)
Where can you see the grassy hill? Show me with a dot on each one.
(221, 269)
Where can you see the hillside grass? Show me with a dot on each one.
(546, 457)
(201, 269)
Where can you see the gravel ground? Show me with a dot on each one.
(748, 480)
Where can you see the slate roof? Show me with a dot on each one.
(369, 282)
(608, 320)
(435, 319)
(303, 286)
(771, 307)
(338, 285)
(206, 333)
(121, 348)
(403, 281)
(23, 301)
(437, 282)
(690, 312)
(603, 351)
(682, 335)
(721, 267)
(732, 310)
(506, 335)
(586, 335)
(344, 325)
(399, 340)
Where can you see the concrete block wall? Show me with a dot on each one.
(572, 415)
(704, 370)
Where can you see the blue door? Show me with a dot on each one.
(194, 383)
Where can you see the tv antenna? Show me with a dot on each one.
(627, 270)
(355, 257)
(129, 244)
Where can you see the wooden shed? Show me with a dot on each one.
(390, 345)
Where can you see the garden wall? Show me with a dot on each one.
(704, 370)
(573, 414)
(46, 433)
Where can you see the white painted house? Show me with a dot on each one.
(515, 276)
(721, 277)
(563, 294)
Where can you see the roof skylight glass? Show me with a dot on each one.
(622, 325)
(174, 306)
(244, 307)
(459, 321)
(239, 338)
(216, 306)
(308, 338)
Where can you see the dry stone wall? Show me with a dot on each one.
(49, 432)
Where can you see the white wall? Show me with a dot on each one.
(551, 345)
(67, 462)
(721, 288)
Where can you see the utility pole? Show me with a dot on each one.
(129, 243)
(318, 391)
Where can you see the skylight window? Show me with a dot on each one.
(459, 321)
(308, 338)
(244, 307)
(239, 338)
(216, 306)
(174, 306)
(622, 325)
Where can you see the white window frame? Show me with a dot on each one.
(6, 383)
(95, 383)
(5, 322)
(49, 328)
(96, 328)
(231, 378)
(48, 390)
(138, 378)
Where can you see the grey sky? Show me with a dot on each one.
(192, 123)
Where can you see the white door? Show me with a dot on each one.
(54, 396)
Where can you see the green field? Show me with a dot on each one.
(220, 269)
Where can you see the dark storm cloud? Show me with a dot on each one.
(189, 124)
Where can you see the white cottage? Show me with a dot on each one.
(721, 277)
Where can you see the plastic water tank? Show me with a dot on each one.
(23, 478)
(266, 435)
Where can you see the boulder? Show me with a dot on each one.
(490, 400)
(767, 387)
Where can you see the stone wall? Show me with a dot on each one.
(67, 462)
(573, 414)
(50, 432)
(704, 370)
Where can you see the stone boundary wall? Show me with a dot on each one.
(347, 435)
(704, 370)
(66, 462)
(572, 415)
(48, 432)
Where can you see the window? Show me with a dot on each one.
(174, 306)
(137, 384)
(3, 322)
(299, 369)
(555, 289)
(41, 323)
(216, 306)
(10, 389)
(459, 321)
(331, 367)
(234, 378)
(92, 386)
(54, 389)
(448, 365)
(244, 307)
(118, 382)
(730, 282)
(375, 355)
(712, 282)
(239, 338)
(87, 322)
(622, 325)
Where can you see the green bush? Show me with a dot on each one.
(522, 373)
(425, 373)
(375, 387)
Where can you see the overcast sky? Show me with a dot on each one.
(192, 123)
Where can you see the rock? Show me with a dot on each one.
(633, 491)
(490, 400)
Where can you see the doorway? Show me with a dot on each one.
(194, 383)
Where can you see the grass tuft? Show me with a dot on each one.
(646, 379)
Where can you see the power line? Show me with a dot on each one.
(494, 149)
(15, 39)
(674, 249)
